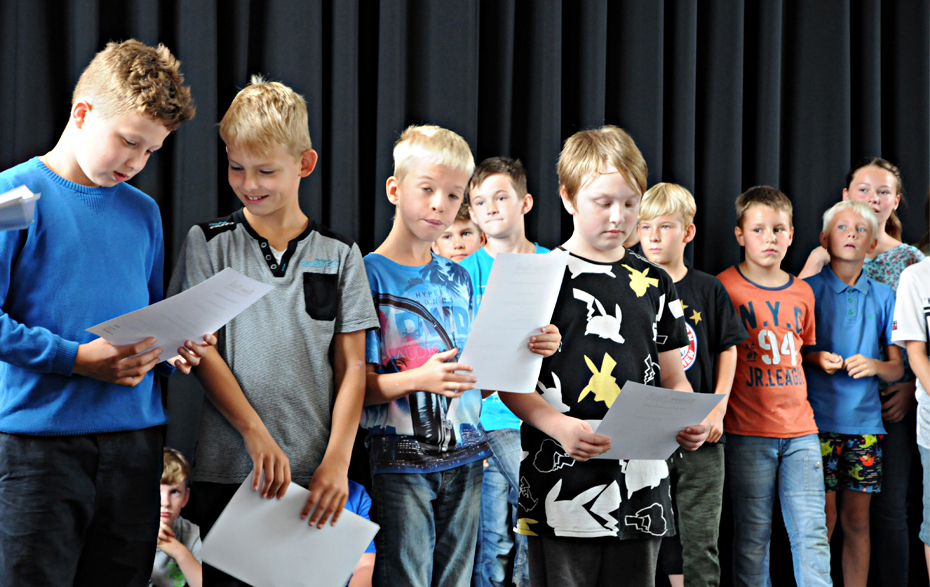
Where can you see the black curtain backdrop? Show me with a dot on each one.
(720, 95)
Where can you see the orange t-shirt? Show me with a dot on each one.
(769, 396)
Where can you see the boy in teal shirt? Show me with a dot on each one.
(498, 203)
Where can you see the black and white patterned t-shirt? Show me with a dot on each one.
(614, 318)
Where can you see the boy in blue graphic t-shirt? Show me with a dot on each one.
(498, 203)
(425, 441)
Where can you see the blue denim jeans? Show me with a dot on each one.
(499, 493)
(925, 493)
(757, 470)
(429, 526)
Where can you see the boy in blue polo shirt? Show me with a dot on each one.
(854, 316)
(498, 203)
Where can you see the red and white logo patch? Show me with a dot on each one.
(689, 353)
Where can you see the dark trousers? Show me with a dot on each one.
(79, 510)
(207, 502)
(697, 486)
(888, 511)
(592, 562)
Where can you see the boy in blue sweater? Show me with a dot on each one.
(80, 419)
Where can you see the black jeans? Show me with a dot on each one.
(889, 529)
(79, 510)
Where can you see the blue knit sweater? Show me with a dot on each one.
(92, 254)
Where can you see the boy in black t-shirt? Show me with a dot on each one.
(709, 361)
(592, 521)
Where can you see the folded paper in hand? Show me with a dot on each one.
(200, 310)
(17, 208)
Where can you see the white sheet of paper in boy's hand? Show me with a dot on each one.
(644, 420)
(17, 208)
(200, 310)
(265, 543)
(518, 301)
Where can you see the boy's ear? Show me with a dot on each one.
(308, 161)
(825, 240)
(566, 201)
(474, 218)
(527, 204)
(873, 247)
(79, 111)
(738, 231)
(391, 189)
(434, 247)
(690, 232)
(484, 238)
(187, 495)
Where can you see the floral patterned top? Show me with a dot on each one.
(886, 268)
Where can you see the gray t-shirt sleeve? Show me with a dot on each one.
(356, 308)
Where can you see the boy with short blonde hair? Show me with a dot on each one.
(75, 443)
(425, 440)
(461, 239)
(771, 433)
(854, 316)
(709, 360)
(177, 561)
(592, 521)
(265, 115)
(297, 419)
(499, 204)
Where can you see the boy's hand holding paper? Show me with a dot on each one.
(265, 543)
(181, 319)
(646, 422)
(520, 295)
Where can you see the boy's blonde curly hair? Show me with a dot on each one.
(177, 469)
(133, 77)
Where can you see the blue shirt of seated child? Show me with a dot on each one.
(850, 320)
(359, 502)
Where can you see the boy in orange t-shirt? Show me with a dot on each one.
(772, 444)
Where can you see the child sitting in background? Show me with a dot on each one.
(854, 323)
(461, 239)
(177, 560)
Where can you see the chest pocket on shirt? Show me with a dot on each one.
(321, 295)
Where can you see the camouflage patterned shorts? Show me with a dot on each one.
(852, 462)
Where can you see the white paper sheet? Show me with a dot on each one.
(17, 208)
(643, 421)
(200, 310)
(518, 300)
(265, 543)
